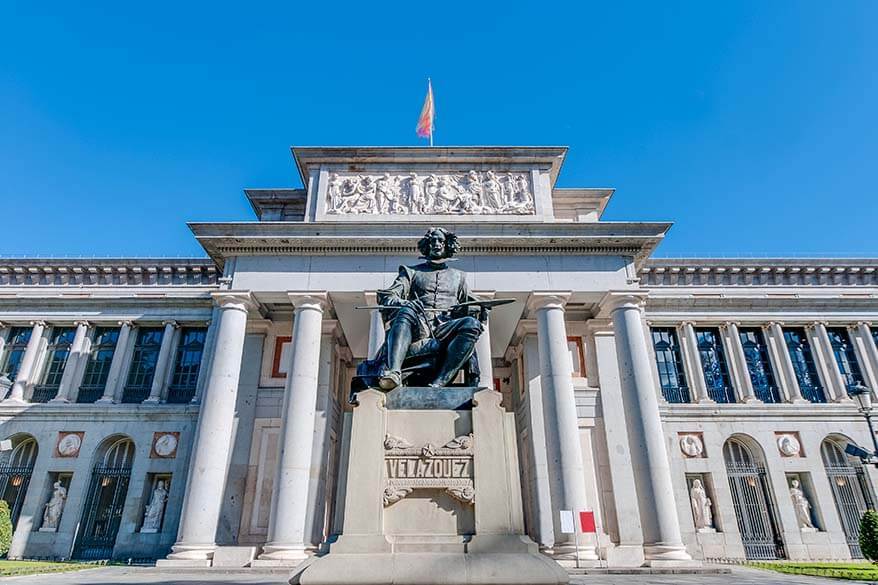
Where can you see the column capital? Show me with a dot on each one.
(237, 300)
(38, 322)
(170, 322)
(816, 324)
(81, 322)
(126, 323)
(622, 299)
(548, 300)
(688, 323)
(316, 300)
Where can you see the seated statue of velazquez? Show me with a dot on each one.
(430, 335)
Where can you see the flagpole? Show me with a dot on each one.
(433, 104)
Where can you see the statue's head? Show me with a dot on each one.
(438, 244)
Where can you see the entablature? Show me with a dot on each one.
(771, 272)
(108, 272)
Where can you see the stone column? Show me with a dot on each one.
(4, 335)
(28, 362)
(74, 359)
(649, 457)
(692, 359)
(782, 362)
(161, 366)
(556, 378)
(210, 450)
(738, 362)
(483, 350)
(868, 352)
(826, 364)
(289, 501)
(376, 326)
(206, 354)
(117, 364)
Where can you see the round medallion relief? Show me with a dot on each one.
(691, 445)
(69, 445)
(165, 445)
(789, 445)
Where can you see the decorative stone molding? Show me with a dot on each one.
(788, 444)
(393, 493)
(69, 444)
(121, 272)
(768, 272)
(421, 193)
(465, 493)
(164, 445)
(408, 467)
(692, 445)
(396, 443)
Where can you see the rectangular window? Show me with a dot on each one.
(187, 364)
(97, 368)
(803, 364)
(714, 365)
(669, 362)
(16, 344)
(845, 357)
(759, 365)
(143, 363)
(58, 351)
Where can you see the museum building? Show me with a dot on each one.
(170, 408)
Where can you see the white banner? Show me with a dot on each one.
(567, 523)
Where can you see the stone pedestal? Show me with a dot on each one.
(433, 497)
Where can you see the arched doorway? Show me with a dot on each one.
(105, 500)
(850, 490)
(751, 497)
(15, 473)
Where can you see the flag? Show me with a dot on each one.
(425, 121)
(586, 522)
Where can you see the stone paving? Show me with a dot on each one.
(152, 576)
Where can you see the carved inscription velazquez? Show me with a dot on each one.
(449, 467)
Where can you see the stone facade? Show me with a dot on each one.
(656, 393)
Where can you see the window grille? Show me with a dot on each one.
(845, 357)
(143, 363)
(669, 362)
(58, 351)
(97, 368)
(759, 365)
(850, 490)
(15, 475)
(713, 363)
(187, 364)
(803, 364)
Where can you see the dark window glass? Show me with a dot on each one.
(143, 362)
(58, 351)
(759, 365)
(16, 344)
(713, 362)
(97, 368)
(187, 363)
(845, 357)
(803, 364)
(670, 364)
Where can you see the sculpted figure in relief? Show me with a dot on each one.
(802, 506)
(701, 506)
(55, 506)
(493, 192)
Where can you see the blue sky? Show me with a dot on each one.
(750, 124)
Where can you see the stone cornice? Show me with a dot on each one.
(108, 272)
(103, 412)
(772, 272)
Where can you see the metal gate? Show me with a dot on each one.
(850, 490)
(752, 502)
(102, 513)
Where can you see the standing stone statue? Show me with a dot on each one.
(152, 517)
(54, 507)
(701, 507)
(802, 507)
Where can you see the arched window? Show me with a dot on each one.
(15, 473)
(850, 490)
(751, 497)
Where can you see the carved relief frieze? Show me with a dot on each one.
(422, 193)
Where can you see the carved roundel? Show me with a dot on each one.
(69, 444)
(788, 445)
(164, 445)
(691, 445)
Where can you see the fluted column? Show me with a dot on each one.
(783, 363)
(210, 450)
(25, 370)
(483, 350)
(869, 353)
(649, 458)
(738, 362)
(161, 365)
(74, 359)
(826, 364)
(689, 342)
(289, 501)
(556, 378)
(117, 363)
(376, 326)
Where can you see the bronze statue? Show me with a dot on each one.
(432, 323)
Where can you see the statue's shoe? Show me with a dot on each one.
(389, 380)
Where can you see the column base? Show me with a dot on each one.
(188, 555)
(13, 402)
(282, 555)
(105, 400)
(565, 552)
(58, 400)
(659, 553)
(152, 400)
(799, 401)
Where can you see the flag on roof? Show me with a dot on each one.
(428, 112)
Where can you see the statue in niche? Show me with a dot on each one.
(155, 510)
(702, 510)
(802, 507)
(432, 322)
(55, 507)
